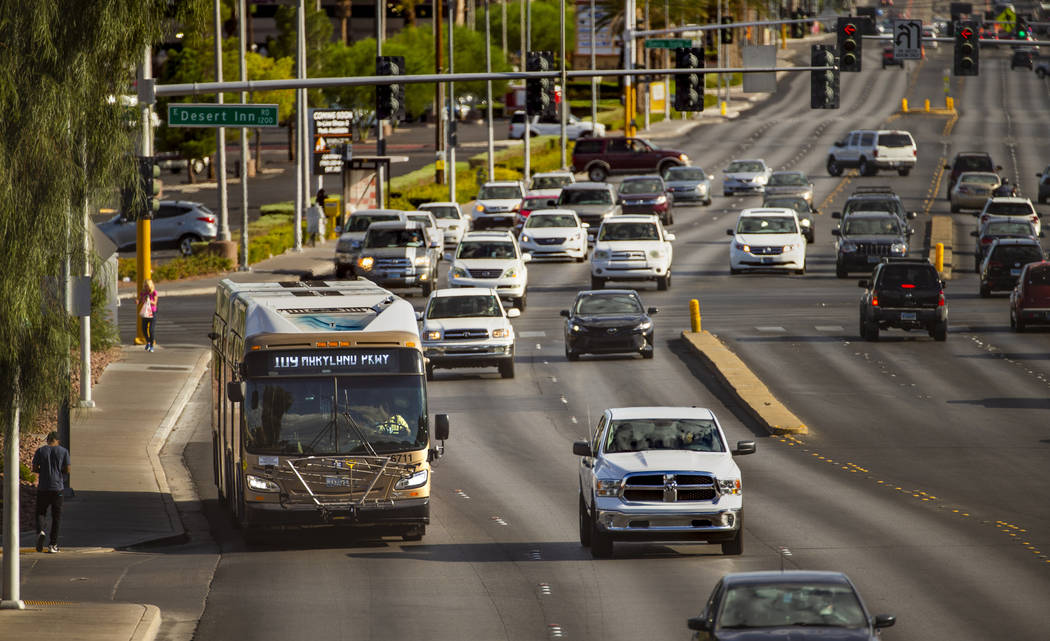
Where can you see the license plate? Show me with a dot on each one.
(498, 219)
(1015, 272)
(337, 481)
(766, 260)
(907, 315)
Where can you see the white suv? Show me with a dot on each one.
(490, 259)
(450, 219)
(1018, 209)
(632, 248)
(467, 327)
(660, 474)
(870, 150)
(498, 203)
(767, 238)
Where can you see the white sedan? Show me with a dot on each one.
(554, 233)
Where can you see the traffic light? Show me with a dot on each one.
(967, 49)
(727, 33)
(390, 99)
(149, 187)
(824, 84)
(539, 92)
(1021, 29)
(689, 88)
(849, 43)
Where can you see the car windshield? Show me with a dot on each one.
(639, 435)
(538, 202)
(686, 173)
(550, 220)
(629, 231)
(421, 218)
(310, 415)
(382, 238)
(794, 180)
(444, 212)
(872, 204)
(791, 604)
(361, 222)
(499, 192)
(797, 203)
(1008, 209)
(871, 227)
(641, 187)
(766, 225)
(744, 167)
(597, 304)
(988, 179)
(1017, 254)
(485, 249)
(973, 163)
(585, 197)
(894, 140)
(909, 277)
(463, 306)
(550, 182)
(1008, 229)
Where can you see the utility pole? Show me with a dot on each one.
(243, 25)
(11, 599)
(526, 42)
(304, 140)
(502, 24)
(300, 105)
(451, 106)
(630, 101)
(594, 62)
(380, 140)
(667, 63)
(564, 88)
(439, 97)
(488, 93)
(220, 134)
(85, 319)
(648, 59)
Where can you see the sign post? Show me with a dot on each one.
(907, 39)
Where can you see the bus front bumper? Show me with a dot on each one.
(408, 512)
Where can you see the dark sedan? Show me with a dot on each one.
(998, 228)
(608, 321)
(797, 605)
(1003, 262)
(646, 195)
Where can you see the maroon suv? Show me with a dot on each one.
(600, 157)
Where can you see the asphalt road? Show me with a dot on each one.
(923, 476)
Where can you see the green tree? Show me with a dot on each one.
(545, 27)
(64, 138)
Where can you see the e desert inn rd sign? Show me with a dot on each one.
(215, 115)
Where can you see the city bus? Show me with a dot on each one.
(320, 408)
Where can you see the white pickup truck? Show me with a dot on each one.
(574, 127)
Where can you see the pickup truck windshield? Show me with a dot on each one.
(629, 231)
(361, 223)
(464, 307)
(639, 435)
(499, 193)
(444, 212)
(385, 238)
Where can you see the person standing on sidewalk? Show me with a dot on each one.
(148, 312)
(51, 465)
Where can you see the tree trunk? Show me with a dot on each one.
(12, 567)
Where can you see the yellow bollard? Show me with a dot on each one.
(938, 257)
(694, 314)
(904, 105)
(926, 105)
(949, 103)
(722, 108)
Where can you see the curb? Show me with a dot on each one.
(149, 624)
(743, 385)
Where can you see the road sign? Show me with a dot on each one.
(668, 43)
(907, 39)
(181, 114)
(333, 135)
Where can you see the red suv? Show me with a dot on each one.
(599, 157)
(1030, 300)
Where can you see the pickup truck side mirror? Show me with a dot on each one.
(744, 447)
(582, 448)
(419, 316)
(526, 257)
(944, 284)
(585, 225)
(884, 620)
(513, 312)
(653, 310)
(441, 427)
(235, 391)
(730, 232)
(669, 237)
(563, 312)
(862, 283)
(836, 232)
(697, 623)
(447, 256)
(912, 215)
(836, 214)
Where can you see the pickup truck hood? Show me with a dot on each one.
(796, 634)
(503, 204)
(470, 322)
(445, 223)
(392, 252)
(768, 240)
(718, 463)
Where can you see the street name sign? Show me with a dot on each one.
(668, 43)
(907, 39)
(181, 114)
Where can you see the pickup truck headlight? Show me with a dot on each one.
(500, 333)
(422, 261)
(601, 254)
(660, 200)
(656, 253)
(608, 487)
(899, 248)
(366, 262)
(848, 247)
(479, 208)
(510, 272)
(418, 479)
(525, 238)
(458, 272)
(729, 486)
(742, 247)
(805, 222)
(575, 328)
(259, 484)
(432, 335)
(683, 157)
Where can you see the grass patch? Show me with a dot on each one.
(183, 267)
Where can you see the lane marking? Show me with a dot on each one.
(829, 328)
(532, 334)
(499, 520)
(770, 328)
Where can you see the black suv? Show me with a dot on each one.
(1003, 262)
(865, 238)
(968, 161)
(905, 293)
(876, 198)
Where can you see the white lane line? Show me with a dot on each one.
(532, 334)
(770, 328)
(829, 328)
(499, 520)
(462, 494)
(535, 555)
(555, 631)
(573, 419)
(564, 400)
(554, 379)
(545, 589)
(538, 346)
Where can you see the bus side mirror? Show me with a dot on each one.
(235, 391)
(441, 427)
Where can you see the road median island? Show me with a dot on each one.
(742, 383)
(942, 229)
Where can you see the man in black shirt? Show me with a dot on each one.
(51, 464)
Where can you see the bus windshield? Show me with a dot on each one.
(335, 415)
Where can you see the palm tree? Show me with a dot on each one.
(342, 11)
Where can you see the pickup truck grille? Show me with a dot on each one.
(873, 249)
(485, 273)
(669, 488)
(628, 255)
(465, 334)
(393, 262)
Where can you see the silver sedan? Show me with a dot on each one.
(973, 189)
(790, 183)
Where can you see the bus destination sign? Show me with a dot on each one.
(344, 361)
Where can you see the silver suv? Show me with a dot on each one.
(398, 254)
(178, 223)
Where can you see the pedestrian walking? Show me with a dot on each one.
(321, 198)
(148, 312)
(315, 227)
(51, 465)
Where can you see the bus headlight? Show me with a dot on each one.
(259, 484)
(418, 479)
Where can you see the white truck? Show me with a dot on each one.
(574, 127)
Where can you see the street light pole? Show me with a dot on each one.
(439, 96)
(526, 34)
(630, 15)
(224, 208)
(299, 106)
(380, 140)
(594, 80)
(488, 94)
(451, 105)
(242, 9)
(564, 89)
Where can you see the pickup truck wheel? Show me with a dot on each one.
(506, 368)
(871, 332)
(840, 271)
(601, 543)
(426, 288)
(415, 533)
(570, 354)
(904, 171)
(520, 302)
(735, 546)
(585, 525)
(430, 371)
(663, 283)
(985, 291)
(597, 173)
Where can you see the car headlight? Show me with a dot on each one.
(761, 180)
(422, 260)
(645, 326)
(898, 248)
(608, 487)
(366, 262)
(742, 247)
(432, 335)
(500, 333)
(656, 253)
(576, 328)
(525, 238)
(805, 222)
(516, 207)
(660, 200)
(259, 484)
(848, 247)
(601, 254)
(683, 157)
(479, 208)
(458, 272)
(729, 486)
(510, 272)
(788, 248)
(419, 479)
(701, 188)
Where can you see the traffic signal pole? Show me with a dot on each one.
(629, 101)
(143, 264)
